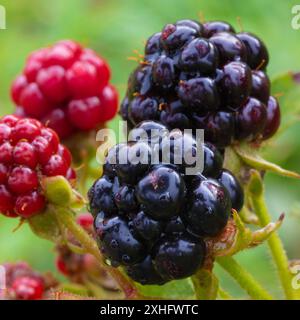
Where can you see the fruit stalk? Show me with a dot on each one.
(224, 294)
(205, 285)
(244, 279)
(66, 217)
(275, 244)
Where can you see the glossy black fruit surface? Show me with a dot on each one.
(118, 242)
(178, 257)
(273, 118)
(236, 84)
(260, 86)
(212, 27)
(102, 198)
(199, 76)
(251, 119)
(235, 190)
(148, 228)
(145, 273)
(153, 218)
(209, 208)
(257, 53)
(161, 192)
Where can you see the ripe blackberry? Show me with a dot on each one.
(28, 152)
(203, 76)
(153, 218)
(67, 87)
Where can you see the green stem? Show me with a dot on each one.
(244, 279)
(276, 247)
(205, 285)
(224, 294)
(66, 217)
(83, 176)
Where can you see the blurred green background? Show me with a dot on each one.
(114, 28)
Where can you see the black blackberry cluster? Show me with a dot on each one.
(153, 218)
(204, 76)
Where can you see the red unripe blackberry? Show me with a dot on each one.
(85, 220)
(29, 203)
(85, 114)
(28, 288)
(67, 87)
(22, 179)
(7, 202)
(29, 152)
(61, 265)
(3, 173)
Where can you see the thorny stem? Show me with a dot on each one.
(66, 217)
(276, 247)
(244, 279)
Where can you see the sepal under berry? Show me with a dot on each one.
(237, 237)
(59, 191)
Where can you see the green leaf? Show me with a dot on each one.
(282, 84)
(250, 156)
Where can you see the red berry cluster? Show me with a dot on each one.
(28, 288)
(67, 87)
(23, 283)
(28, 152)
